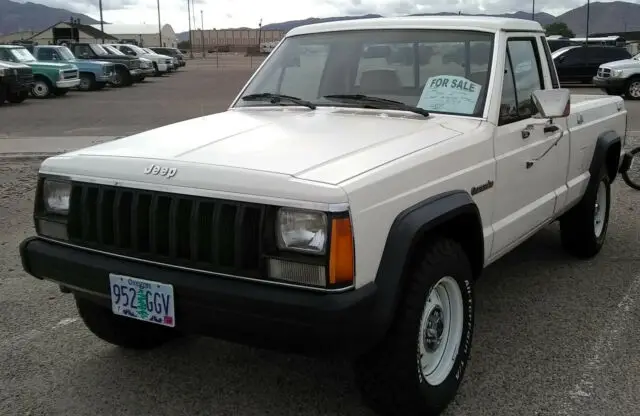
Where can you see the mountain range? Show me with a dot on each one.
(617, 16)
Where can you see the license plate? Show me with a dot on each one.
(141, 299)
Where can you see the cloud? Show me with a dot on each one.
(235, 13)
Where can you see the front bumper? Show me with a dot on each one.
(148, 71)
(15, 85)
(162, 67)
(68, 83)
(612, 83)
(135, 72)
(250, 313)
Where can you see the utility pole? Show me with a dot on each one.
(190, 37)
(101, 21)
(202, 32)
(259, 35)
(533, 10)
(587, 35)
(159, 26)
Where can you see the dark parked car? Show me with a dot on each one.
(580, 63)
(127, 68)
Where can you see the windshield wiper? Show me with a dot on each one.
(378, 102)
(276, 98)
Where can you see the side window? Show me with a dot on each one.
(83, 50)
(527, 74)
(5, 55)
(575, 56)
(127, 50)
(522, 76)
(45, 54)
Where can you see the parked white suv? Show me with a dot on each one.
(346, 202)
(161, 63)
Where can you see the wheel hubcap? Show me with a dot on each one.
(40, 89)
(600, 209)
(634, 89)
(441, 329)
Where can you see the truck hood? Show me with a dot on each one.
(328, 145)
(83, 63)
(622, 64)
(12, 65)
(54, 65)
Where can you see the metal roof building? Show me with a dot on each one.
(144, 34)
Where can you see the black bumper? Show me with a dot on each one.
(612, 83)
(250, 313)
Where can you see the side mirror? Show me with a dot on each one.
(553, 103)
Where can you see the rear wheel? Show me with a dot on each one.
(17, 97)
(417, 369)
(121, 331)
(584, 228)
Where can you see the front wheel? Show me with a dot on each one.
(632, 175)
(632, 90)
(417, 369)
(124, 332)
(41, 88)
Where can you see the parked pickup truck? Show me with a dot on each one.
(620, 77)
(49, 78)
(346, 202)
(146, 66)
(173, 52)
(15, 82)
(127, 68)
(94, 75)
(160, 62)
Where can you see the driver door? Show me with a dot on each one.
(525, 192)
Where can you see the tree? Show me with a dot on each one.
(559, 28)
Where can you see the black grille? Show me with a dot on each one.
(604, 72)
(207, 234)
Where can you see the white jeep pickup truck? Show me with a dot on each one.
(345, 203)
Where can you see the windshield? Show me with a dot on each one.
(98, 49)
(441, 71)
(137, 49)
(113, 50)
(22, 55)
(66, 54)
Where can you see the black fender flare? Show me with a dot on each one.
(404, 234)
(608, 140)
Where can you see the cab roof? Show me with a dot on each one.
(477, 23)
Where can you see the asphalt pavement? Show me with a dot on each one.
(554, 335)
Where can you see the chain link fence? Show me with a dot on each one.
(225, 60)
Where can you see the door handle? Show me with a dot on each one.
(551, 129)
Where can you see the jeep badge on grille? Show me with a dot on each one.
(154, 169)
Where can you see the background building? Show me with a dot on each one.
(144, 35)
(234, 40)
(72, 31)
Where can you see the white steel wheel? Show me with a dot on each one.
(40, 89)
(600, 209)
(441, 328)
(633, 90)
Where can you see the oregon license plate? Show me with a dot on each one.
(142, 299)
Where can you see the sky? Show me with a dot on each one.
(238, 13)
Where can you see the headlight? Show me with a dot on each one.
(304, 231)
(616, 72)
(56, 196)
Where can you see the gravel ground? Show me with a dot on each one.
(554, 336)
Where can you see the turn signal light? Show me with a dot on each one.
(341, 261)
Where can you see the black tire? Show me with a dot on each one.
(17, 97)
(42, 87)
(87, 82)
(124, 332)
(578, 229)
(3, 94)
(631, 89)
(635, 155)
(122, 78)
(390, 376)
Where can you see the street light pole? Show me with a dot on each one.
(190, 37)
(101, 21)
(159, 26)
(202, 32)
